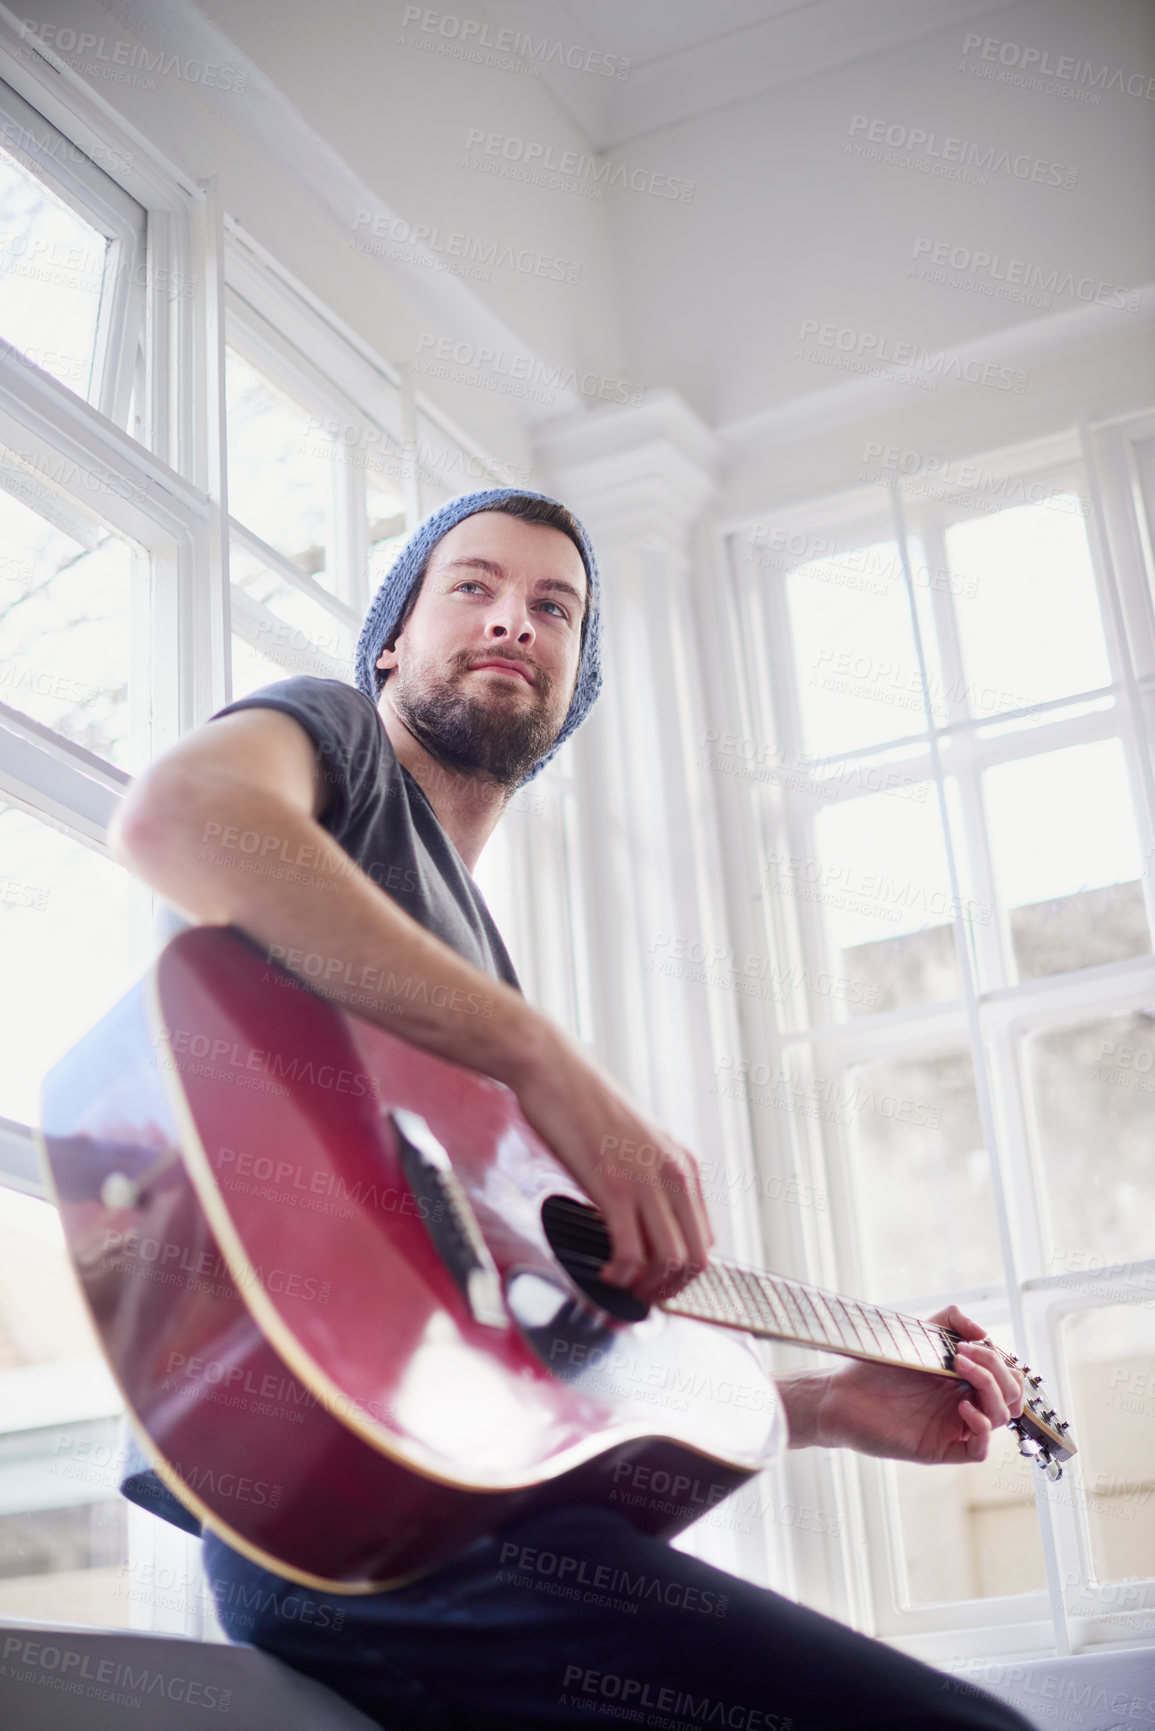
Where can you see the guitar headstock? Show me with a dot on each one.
(1042, 1435)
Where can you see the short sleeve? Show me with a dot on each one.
(346, 730)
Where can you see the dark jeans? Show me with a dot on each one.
(572, 1618)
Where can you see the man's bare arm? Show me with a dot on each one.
(257, 772)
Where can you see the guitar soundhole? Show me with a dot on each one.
(578, 1238)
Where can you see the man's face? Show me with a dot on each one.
(483, 670)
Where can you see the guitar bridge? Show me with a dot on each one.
(452, 1224)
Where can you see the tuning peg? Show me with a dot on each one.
(1028, 1446)
(1053, 1471)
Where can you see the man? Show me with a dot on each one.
(479, 656)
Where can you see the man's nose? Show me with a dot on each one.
(511, 619)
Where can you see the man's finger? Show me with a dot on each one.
(1009, 1380)
(985, 1384)
(665, 1270)
(627, 1255)
(979, 1426)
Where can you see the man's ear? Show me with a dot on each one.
(387, 660)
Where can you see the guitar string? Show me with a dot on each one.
(594, 1232)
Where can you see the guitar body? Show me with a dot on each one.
(283, 1297)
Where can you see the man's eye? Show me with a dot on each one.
(471, 583)
(562, 614)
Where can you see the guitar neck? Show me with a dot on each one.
(780, 1309)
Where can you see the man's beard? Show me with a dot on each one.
(472, 736)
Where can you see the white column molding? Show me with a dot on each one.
(663, 1004)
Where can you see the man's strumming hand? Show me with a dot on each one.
(645, 1184)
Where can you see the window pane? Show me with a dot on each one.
(970, 1532)
(74, 933)
(386, 509)
(1031, 629)
(282, 629)
(69, 629)
(52, 267)
(1066, 858)
(1111, 1358)
(280, 469)
(253, 671)
(857, 671)
(62, 1526)
(1093, 1093)
(922, 1179)
(880, 878)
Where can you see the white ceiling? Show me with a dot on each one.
(688, 57)
(647, 30)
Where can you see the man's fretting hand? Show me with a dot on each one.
(907, 1415)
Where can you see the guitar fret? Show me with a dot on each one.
(820, 1307)
(794, 1310)
(761, 1300)
(870, 1328)
(921, 1347)
(847, 1323)
(732, 1296)
(944, 1348)
(905, 1345)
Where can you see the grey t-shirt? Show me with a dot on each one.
(378, 814)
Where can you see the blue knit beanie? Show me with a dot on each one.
(388, 604)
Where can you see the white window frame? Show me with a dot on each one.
(859, 1579)
(174, 504)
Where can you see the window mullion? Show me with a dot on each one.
(293, 575)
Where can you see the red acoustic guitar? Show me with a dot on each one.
(352, 1299)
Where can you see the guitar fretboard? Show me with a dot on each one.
(770, 1305)
(781, 1309)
